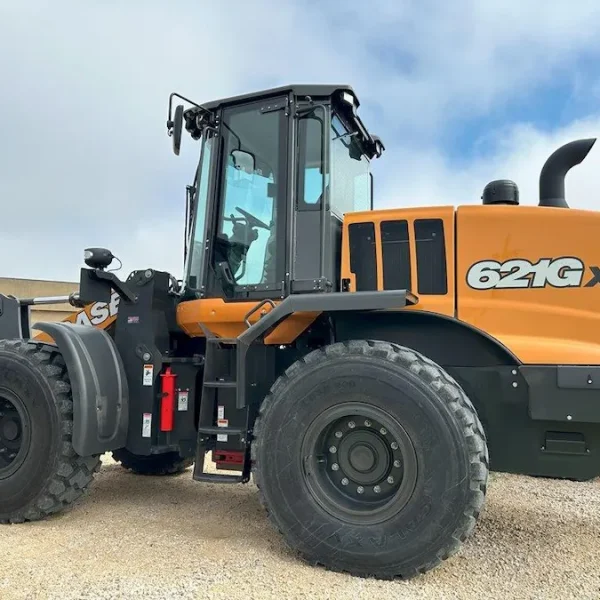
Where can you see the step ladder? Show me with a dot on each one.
(220, 372)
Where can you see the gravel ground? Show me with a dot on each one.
(137, 537)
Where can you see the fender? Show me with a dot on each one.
(445, 340)
(99, 386)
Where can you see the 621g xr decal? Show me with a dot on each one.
(517, 273)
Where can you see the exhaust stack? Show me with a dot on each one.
(555, 169)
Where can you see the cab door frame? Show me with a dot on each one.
(214, 285)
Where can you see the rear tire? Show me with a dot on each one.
(370, 459)
(170, 463)
(40, 473)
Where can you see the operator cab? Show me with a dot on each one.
(278, 170)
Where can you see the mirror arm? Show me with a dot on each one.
(176, 95)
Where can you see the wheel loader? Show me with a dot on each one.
(366, 367)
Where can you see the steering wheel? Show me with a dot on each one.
(252, 220)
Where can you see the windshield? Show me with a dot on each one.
(197, 242)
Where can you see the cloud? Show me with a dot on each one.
(519, 153)
(84, 157)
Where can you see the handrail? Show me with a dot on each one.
(255, 308)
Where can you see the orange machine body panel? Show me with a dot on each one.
(544, 304)
(441, 304)
(226, 319)
(546, 311)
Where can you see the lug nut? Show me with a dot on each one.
(377, 489)
(345, 481)
(367, 423)
(397, 463)
(338, 434)
(352, 424)
(390, 479)
(394, 445)
(360, 489)
(383, 431)
(332, 449)
(335, 467)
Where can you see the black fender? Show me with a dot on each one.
(443, 339)
(99, 386)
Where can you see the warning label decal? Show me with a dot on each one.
(148, 374)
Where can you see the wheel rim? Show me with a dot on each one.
(359, 463)
(14, 433)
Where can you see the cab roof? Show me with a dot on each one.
(303, 89)
(338, 92)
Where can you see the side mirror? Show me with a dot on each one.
(176, 127)
(243, 161)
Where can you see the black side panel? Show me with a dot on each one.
(566, 393)
(519, 444)
(100, 390)
(443, 339)
(11, 314)
(142, 336)
(335, 253)
(363, 259)
(395, 255)
(431, 256)
(307, 248)
(92, 289)
(188, 388)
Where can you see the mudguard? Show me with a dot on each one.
(99, 386)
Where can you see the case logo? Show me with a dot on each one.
(99, 312)
(519, 273)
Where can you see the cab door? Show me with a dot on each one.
(246, 233)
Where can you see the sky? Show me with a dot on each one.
(461, 93)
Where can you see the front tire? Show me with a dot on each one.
(370, 459)
(40, 473)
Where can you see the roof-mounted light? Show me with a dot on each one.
(349, 98)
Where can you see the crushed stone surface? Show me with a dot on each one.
(172, 538)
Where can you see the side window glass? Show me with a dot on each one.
(250, 193)
(311, 176)
(351, 183)
(198, 242)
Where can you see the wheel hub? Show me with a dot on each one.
(361, 463)
(363, 457)
(10, 430)
(12, 438)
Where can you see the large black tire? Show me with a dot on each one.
(409, 430)
(40, 473)
(170, 463)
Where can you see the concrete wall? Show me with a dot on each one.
(32, 288)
